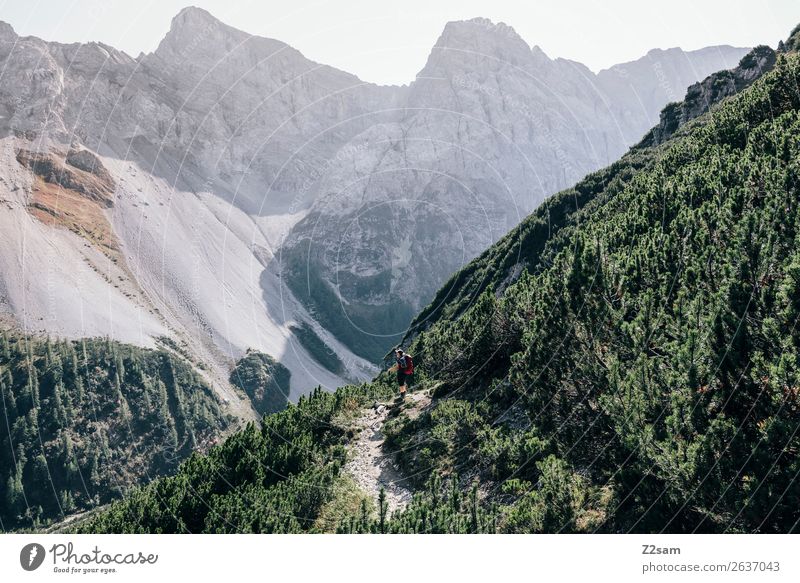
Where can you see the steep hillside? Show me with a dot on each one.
(86, 421)
(653, 354)
(219, 144)
(642, 377)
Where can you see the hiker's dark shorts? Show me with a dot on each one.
(403, 378)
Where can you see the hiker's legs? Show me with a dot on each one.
(401, 380)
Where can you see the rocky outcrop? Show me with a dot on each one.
(72, 191)
(700, 97)
(79, 171)
(792, 44)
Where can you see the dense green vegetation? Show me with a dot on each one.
(284, 476)
(264, 380)
(321, 352)
(275, 477)
(84, 421)
(653, 356)
(626, 361)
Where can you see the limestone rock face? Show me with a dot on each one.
(490, 127)
(234, 165)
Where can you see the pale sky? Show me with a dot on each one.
(388, 42)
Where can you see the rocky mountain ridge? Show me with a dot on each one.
(228, 153)
(491, 128)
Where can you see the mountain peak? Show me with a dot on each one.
(6, 31)
(478, 42)
(459, 32)
(192, 16)
(194, 31)
(193, 24)
(481, 23)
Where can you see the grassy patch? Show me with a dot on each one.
(346, 501)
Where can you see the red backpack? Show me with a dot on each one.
(409, 369)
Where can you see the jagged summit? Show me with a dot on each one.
(195, 32)
(197, 21)
(193, 15)
(197, 42)
(6, 30)
(466, 40)
(456, 30)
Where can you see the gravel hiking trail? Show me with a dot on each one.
(370, 467)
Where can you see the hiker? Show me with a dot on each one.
(405, 368)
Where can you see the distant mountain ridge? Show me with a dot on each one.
(491, 127)
(229, 153)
